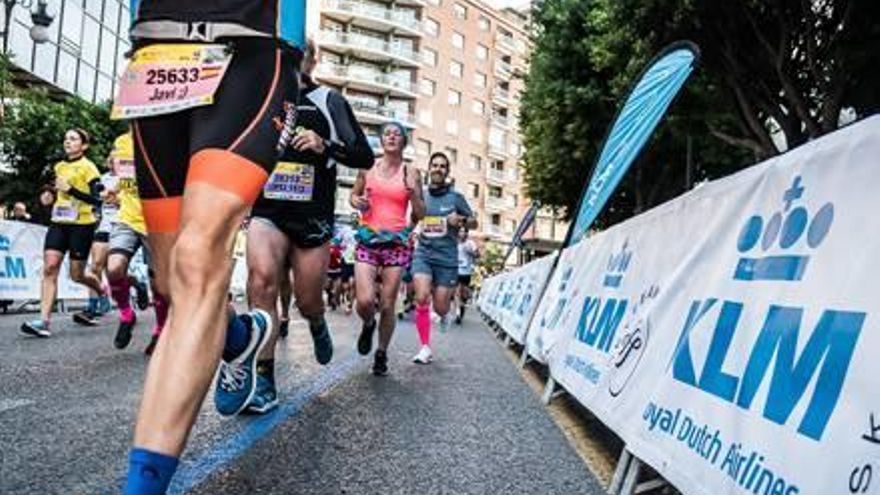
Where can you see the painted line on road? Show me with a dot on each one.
(10, 404)
(194, 472)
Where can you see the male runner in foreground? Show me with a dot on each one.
(205, 81)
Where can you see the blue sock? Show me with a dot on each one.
(93, 304)
(238, 336)
(149, 472)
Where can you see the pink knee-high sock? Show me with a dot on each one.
(119, 290)
(160, 305)
(423, 322)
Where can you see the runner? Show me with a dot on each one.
(468, 254)
(206, 84)
(349, 250)
(292, 222)
(383, 195)
(99, 304)
(77, 185)
(435, 265)
(128, 234)
(334, 274)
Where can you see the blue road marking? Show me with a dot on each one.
(193, 472)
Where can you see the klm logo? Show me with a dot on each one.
(507, 302)
(782, 234)
(526, 300)
(600, 318)
(789, 352)
(13, 266)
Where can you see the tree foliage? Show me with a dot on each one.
(32, 132)
(770, 72)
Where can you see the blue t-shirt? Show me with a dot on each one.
(438, 242)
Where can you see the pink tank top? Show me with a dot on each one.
(388, 199)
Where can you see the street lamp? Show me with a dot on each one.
(40, 17)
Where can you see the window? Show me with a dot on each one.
(428, 87)
(432, 27)
(458, 40)
(423, 147)
(452, 153)
(476, 162)
(482, 52)
(480, 80)
(426, 117)
(478, 107)
(456, 69)
(495, 219)
(497, 165)
(515, 200)
(429, 57)
(452, 126)
(454, 98)
(511, 226)
(459, 11)
(474, 190)
(483, 23)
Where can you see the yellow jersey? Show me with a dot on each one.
(67, 209)
(130, 211)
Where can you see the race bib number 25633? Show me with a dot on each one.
(167, 78)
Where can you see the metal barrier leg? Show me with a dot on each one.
(507, 340)
(632, 477)
(548, 391)
(619, 471)
(524, 357)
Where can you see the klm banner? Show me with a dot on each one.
(21, 264)
(512, 297)
(730, 335)
(639, 116)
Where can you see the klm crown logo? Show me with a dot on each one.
(617, 266)
(785, 240)
(5, 244)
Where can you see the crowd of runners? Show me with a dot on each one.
(258, 144)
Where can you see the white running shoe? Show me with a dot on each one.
(424, 356)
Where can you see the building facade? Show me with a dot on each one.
(86, 49)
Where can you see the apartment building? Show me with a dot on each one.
(447, 70)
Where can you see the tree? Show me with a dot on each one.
(32, 132)
(768, 70)
(491, 261)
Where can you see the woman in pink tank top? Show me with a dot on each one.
(384, 194)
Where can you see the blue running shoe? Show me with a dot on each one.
(266, 397)
(237, 379)
(321, 340)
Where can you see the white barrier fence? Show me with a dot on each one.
(727, 336)
(21, 264)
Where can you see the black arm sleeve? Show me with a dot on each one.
(95, 187)
(352, 149)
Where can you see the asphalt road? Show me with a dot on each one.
(465, 424)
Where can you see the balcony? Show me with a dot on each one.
(501, 121)
(497, 176)
(503, 69)
(346, 175)
(366, 79)
(505, 43)
(501, 97)
(494, 230)
(369, 48)
(498, 204)
(497, 151)
(369, 112)
(371, 16)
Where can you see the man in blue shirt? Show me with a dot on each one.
(435, 265)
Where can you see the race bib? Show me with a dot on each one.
(64, 212)
(291, 182)
(434, 226)
(168, 78)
